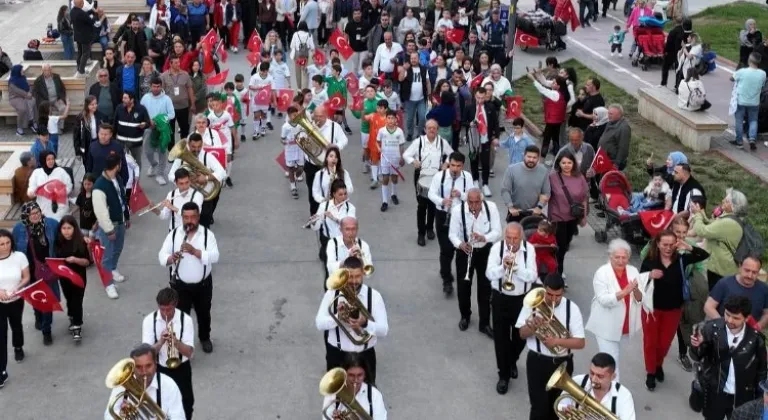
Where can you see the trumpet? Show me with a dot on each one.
(174, 359)
(471, 251)
(368, 268)
(508, 285)
(339, 280)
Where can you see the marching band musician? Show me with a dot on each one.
(162, 389)
(175, 200)
(601, 385)
(449, 189)
(542, 361)
(475, 226)
(333, 134)
(155, 332)
(367, 395)
(332, 170)
(195, 146)
(211, 137)
(337, 344)
(348, 244)
(428, 154)
(516, 257)
(328, 216)
(191, 250)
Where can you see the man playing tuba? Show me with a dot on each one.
(600, 385)
(365, 398)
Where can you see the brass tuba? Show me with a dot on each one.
(195, 168)
(552, 327)
(311, 141)
(174, 359)
(338, 280)
(136, 404)
(334, 382)
(587, 408)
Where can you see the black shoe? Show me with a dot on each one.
(395, 200)
(463, 324)
(18, 354)
(685, 362)
(47, 339)
(737, 144)
(38, 324)
(207, 346)
(431, 235)
(660, 374)
(229, 182)
(77, 335)
(752, 146)
(279, 115)
(502, 386)
(513, 372)
(650, 382)
(421, 241)
(487, 330)
(3, 379)
(384, 206)
(448, 289)
(347, 129)
(242, 138)
(270, 127)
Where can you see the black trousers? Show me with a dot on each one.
(506, 338)
(446, 246)
(206, 213)
(196, 32)
(551, 133)
(310, 170)
(425, 215)
(334, 357)
(564, 232)
(464, 288)
(324, 257)
(74, 296)
(669, 63)
(83, 55)
(199, 297)
(538, 369)
(249, 10)
(182, 117)
(10, 314)
(285, 31)
(481, 158)
(182, 375)
(719, 406)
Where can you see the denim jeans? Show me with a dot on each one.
(112, 249)
(104, 41)
(46, 318)
(415, 112)
(69, 47)
(751, 111)
(159, 163)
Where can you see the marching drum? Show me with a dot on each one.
(422, 187)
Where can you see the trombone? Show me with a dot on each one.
(508, 285)
(174, 359)
(334, 383)
(339, 280)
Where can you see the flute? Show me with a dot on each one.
(320, 216)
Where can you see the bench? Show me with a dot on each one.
(694, 129)
(125, 6)
(54, 50)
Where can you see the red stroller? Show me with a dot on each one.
(615, 192)
(650, 43)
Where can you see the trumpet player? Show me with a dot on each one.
(327, 218)
(601, 384)
(170, 208)
(511, 261)
(366, 395)
(548, 349)
(475, 226)
(191, 250)
(348, 244)
(166, 329)
(159, 387)
(337, 343)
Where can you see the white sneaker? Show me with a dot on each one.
(151, 171)
(477, 184)
(160, 180)
(235, 50)
(117, 277)
(300, 178)
(620, 55)
(486, 191)
(112, 291)
(286, 174)
(612, 54)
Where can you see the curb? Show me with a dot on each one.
(726, 62)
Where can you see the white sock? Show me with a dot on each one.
(394, 188)
(269, 117)
(374, 172)
(293, 185)
(384, 194)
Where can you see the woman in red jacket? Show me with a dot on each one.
(555, 100)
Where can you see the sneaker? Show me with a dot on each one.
(77, 335)
(19, 131)
(18, 354)
(111, 291)
(242, 138)
(47, 339)
(486, 191)
(270, 126)
(491, 174)
(612, 54)
(300, 178)
(34, 128)
(752, 145)
(279, 115)
(234, 50)
(3, 379)
(286, 174)
(366, 168)
(263, 132)
(152, 171)
(255, 136)
(374, 185)
(620, 55)
(685, 362)
(477, 184)
(117, 277)
(384, 206)
(738, 144)
(160, 180)
(347, 129)
(229, 182)
(395, 200)
(650, 382)
(295, 193)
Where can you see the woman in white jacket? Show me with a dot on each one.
(619, 292)
(160, 14)
(48, 171)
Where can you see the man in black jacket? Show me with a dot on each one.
(48, 87)
(482, 121)
(107, 94)
(733, 359)
(82, 24)
(685, 188)
(131, 123)
(135, 40)
(675, 39)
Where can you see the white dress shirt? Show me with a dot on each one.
(382, 61)
(431, 154)
(333, 133)
(337, 252)
(490, 228)
(206, 159)
(372, 403)
(154, 325)
(169, 401)
(625, 404)
(321, 186)
(178, 199)
(524, 278)
(331, 228)
(39, 178)
(336, 337)
(444, 178)
(733, 341)
(575, 326)
(212, 138)
(191, 269)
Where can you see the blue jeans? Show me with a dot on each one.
(112, 249)
(104, 41)
(751, 111)
(640, 203)
(46, 318)
(415, 112)
(69, 47)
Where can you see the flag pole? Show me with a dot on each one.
(510, 41)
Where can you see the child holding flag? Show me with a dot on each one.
(376, 122)
(369, 107)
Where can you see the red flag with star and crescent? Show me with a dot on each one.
(97, 252)
(353, 83)
(319, 57)
(59, 267)
(139, 199)
(40, 296)
(341, 44)
(654, 221)
(53, 190)
(209, 40)
(222, 53)
(524, 39)
(254, 58)
(602, 163)
(336, 102)
(514, 107)
(217, 79)
(454, 36)
(475, 82)
(482, 122)
(284, 98)
(262, 96)
(220, 153)
(254, 43)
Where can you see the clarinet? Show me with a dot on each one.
(471, 251)
(176, 278)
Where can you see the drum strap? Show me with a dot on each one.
(422, 139)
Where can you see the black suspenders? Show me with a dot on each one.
(205, 247)
(614, 399)
(523, 245)
(154, 326)
(338, 335)
(464, 219)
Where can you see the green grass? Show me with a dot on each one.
(714, 172)
(719, 26)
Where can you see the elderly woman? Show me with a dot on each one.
(48, 172)
(501, 85)
(619, 292)
(567, 202)
(21, 177)
(21, 99)
(667, 261)
(749, 38)
(721, 235)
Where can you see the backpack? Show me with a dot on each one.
(751, 243)
(303, 51)
(696, 97)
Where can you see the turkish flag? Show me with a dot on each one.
(254, 43)
(357, 102)
(475, 82)
(654, 221)
(139, 200)
(602, 163)
(319, 57)
(208, 67)
(97, 252)
(454, 36)
(341, 44)
(565, 12)
(222, 53)
(59, 267)
(524, 39)
(336, 102)
(353, 83)
(280, 160)
(262, 95)
(284, 98)
(482, 122)
(218, 79)
(53, 190)
(209, 40)
(514, 106)
(220, 153)
(752, 323)
(253, 58)
(40, 296)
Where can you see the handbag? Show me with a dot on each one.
(42, 271)
(577, 209)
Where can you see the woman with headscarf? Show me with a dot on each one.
(749, 38)
(35, 235)
(48, 172)
(592, 137)
(21, 99)
(668, 169)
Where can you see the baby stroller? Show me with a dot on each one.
(530, 225)
(548, 33)
(615, 192)
(650, 46)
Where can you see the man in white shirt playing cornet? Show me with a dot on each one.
(347, 245)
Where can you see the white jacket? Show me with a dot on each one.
(606, 317)
(38, 178)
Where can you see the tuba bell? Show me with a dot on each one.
(311, 141)
(552, 327)
(195, 168)
(587, 408)
(334, 382)
(136, 404)
(339, 280)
